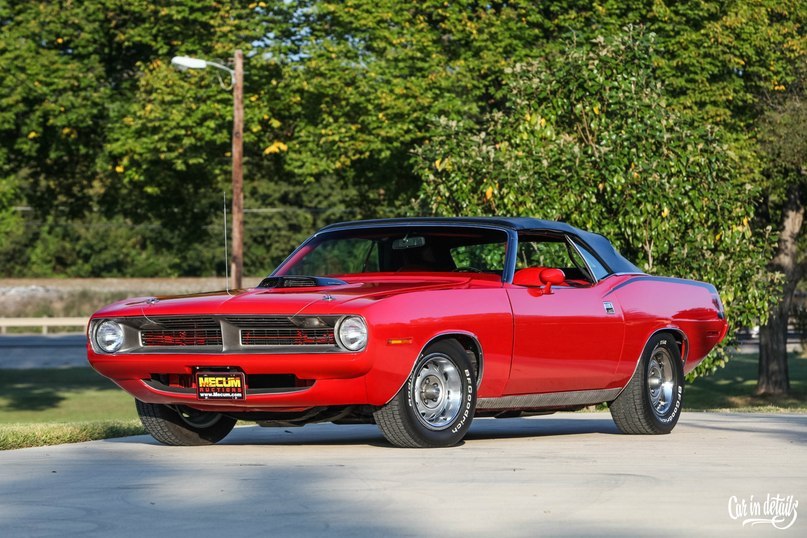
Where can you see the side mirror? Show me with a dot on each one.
(536, 276)
(550, 277)
(529, 276)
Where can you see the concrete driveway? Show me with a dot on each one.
(566, 474)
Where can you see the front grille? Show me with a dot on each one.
(285, 331)
(287, 337)
(228, 334)
(210, 337)
(181, 332)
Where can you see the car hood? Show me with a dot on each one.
(351, 296)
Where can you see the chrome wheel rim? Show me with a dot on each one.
(437, 392)
(661, 381)
(197, 419)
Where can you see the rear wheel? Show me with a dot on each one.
(436, 405)
(651, 402)
(183, 426)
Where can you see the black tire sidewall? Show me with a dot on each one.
(665, 423)
(454, 432)
(165, 424)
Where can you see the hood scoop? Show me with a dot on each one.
(299, 282)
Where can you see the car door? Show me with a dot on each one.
(571, 337)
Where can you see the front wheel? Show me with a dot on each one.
(183, 426)
(651, 402)
(436, 405)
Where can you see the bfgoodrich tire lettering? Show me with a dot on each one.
(651, 402)
(183, 426)
(436, 405)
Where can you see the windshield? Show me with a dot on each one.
(400, 250)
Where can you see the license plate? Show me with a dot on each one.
(221, 386)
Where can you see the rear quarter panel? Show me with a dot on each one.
(651, 304)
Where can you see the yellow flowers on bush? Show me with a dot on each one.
(276, 147)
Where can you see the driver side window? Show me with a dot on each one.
(555, 252)
(532, 253)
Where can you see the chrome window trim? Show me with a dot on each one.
(570, 240)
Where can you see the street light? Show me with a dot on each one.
(237, 78)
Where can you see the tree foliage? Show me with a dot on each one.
(123, 159)
(96, 124)
(70, 76)
(587, 137)
(783, 140)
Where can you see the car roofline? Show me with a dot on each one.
(599, 244)
(512, 223)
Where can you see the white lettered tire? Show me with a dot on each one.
(651, 402)
(436, 405)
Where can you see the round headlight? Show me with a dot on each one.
(352, 333)
(109, 336)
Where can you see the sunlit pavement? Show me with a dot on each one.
(565, 474)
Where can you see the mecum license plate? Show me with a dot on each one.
(221, 386)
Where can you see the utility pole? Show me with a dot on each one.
(237, 78)
(238, 171)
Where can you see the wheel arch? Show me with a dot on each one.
(469, 342)
(408, 421)
(681, 341)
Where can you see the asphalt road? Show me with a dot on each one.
(566, 475)
(43, 350)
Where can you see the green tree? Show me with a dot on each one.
(742, 66)
(784, 142)
(12, 230)
(52, 103)
(97, 126)
(588, 137)
(74, 81)
(354, 86)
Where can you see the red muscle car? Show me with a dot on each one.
(416, 325)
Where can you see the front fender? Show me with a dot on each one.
(403, 326)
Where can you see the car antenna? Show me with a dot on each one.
(226, 255)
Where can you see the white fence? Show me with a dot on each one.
(44, 323)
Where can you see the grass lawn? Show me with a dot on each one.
(61, 395)
(55, 406)
(732, 388)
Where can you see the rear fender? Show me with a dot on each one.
(680, 339)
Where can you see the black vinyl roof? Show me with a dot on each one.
(514, 223)
(598, 243)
